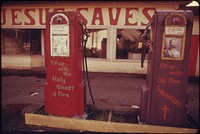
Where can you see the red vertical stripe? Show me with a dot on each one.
(193, 55)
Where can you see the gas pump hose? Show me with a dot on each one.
(85, 66)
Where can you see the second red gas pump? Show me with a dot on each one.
(164, 98)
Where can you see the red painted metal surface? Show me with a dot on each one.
(164, 98)
(63, 92)
(193, 55)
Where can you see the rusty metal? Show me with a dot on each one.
(164, 99)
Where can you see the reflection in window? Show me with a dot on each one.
(20, 41)
(128, 44)
(97, 43)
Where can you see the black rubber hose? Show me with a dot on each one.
(85, 66)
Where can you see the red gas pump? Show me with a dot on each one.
(164, 99)
(64, 89)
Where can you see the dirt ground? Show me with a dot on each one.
(24, 89)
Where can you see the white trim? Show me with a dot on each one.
(193, 4)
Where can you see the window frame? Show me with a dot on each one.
(107, 42)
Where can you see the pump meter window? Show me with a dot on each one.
(60, 40)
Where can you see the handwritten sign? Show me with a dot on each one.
(164, 84)
(171, 98)
(174, 30)
(61, 86)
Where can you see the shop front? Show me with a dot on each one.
(114, 44)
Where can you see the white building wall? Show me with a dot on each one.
(110, 64)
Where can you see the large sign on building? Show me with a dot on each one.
(29, 17)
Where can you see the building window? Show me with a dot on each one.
(97, 43)
(128, 44)
(20, 41)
